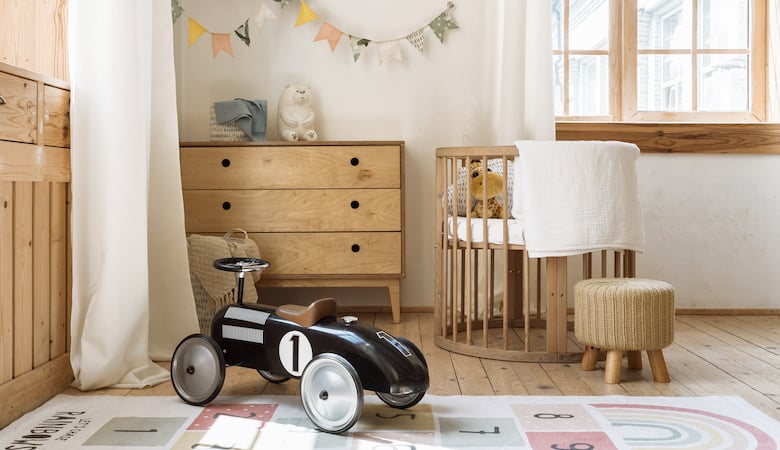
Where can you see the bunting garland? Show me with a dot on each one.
(387, 50)
(220, 42)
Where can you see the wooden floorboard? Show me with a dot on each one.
(711, 355)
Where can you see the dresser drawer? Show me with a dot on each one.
(56, 119)
(291, 167)
(330, 253)
(18, 111)
(293, 210)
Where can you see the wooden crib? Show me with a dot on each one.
(492, 300)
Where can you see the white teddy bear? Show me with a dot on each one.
(296, 116)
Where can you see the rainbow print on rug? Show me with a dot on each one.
(438, 422)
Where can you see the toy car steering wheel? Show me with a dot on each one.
(241, 264)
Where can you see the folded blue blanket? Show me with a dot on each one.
(249, 115)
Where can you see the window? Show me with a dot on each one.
(660, 60)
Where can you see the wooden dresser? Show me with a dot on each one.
(34, 240)
(325, 214)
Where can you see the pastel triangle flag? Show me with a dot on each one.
(196, 31)
(389, 50)
(442, 23)
(220, 42)
(331, 33)
(176, 10)
(263, 13)
(358, 45)
(306, 15)
(417, 39)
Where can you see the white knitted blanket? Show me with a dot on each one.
(578, 196)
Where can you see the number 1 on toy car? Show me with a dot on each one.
(295, 352)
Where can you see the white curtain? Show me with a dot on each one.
(132, 300)
(522, 72)
(520, 75)
(773, 62)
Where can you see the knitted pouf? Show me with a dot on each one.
(624, 314)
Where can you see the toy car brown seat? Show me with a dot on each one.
(307, 316)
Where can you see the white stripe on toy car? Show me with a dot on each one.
(404, 351)
(247, 315)
(295, 352)
(242, 334)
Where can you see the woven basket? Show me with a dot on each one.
(214, 289)
(224, 132)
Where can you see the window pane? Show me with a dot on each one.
(664, 82)
(723, 83)
(664, 24)
(558, 84)
(589, 24)
(588, 85)
(557, 24)
(723, 24)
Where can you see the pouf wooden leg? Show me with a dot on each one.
(612, 367)
(634, 359)
(658, 366)
(589, 358)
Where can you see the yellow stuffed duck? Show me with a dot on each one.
(486, 206)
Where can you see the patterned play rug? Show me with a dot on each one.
(456, 422)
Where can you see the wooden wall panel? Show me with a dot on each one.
(59, 269)
(41, 248)
(6, 281)
(18, 42)
(23, 280)
(35, 211)
(51, 43)
(33, 35)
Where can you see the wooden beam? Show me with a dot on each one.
(731, 138)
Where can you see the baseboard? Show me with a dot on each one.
(678, 311)
(32, 389)
(720, 311)
(386, 309)
(728, 311)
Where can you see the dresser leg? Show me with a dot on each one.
(394, 289)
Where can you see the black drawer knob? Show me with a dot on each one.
(225, 205)
(355, 248)
(354, 161)
(355, 204)
(225, 162)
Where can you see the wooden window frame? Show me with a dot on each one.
(674, 132)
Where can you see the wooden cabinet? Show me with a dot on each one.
(34, 240)
(325, 214)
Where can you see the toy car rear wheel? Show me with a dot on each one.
(331, 393)
(197, 369)
(272, 378)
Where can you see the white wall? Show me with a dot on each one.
(710, 220)
(712, 225)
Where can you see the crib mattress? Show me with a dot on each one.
(495, 228)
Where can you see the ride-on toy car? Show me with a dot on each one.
(335, 358)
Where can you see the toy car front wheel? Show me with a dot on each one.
(404, 400)
(272, 378)
(331, 392)
(401, 400)
(197, 369)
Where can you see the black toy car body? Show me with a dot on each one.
(335, 358)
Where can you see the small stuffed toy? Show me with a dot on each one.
(490, 206)
(296, 115)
